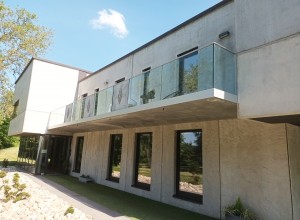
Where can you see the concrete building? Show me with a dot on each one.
(205, 113)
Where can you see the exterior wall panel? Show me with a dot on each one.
(254, 167)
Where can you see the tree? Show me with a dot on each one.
(20, 39)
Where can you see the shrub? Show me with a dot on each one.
(69, 210)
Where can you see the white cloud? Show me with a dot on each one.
(112, 20)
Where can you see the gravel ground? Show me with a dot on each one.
(41, 205)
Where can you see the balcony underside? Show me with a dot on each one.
(211, 104)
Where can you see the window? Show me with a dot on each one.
(83, 97)
(78, 154)
(143, 161)
(115, 157)
(120, 80)
(96, 100)
(189, 165)
(16, 108)
(188, 73)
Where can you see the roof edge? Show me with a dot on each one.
(50, 62)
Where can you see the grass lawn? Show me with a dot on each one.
(9, 153)
(125, 203)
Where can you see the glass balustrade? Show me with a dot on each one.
(210, 67)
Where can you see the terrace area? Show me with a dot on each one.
(199, 85)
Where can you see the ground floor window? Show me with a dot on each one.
(28, 149)
(143, 160)
(114, 166)
(78, 154)
(189, 165)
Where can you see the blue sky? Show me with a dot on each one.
(93, 33)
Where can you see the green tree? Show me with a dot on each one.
(20, 40)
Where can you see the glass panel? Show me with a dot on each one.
(104, 101)
(170, 77)
(190, 162)
(120, 95)
(205, 68)
(143, 159)
(89, 106)
(115, 157)
(152, 86)
(78, 156)
(136, 90)
(225, 70)
(188, 73)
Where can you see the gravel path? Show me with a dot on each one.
(41, 205)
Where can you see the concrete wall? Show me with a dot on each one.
(260, 22)
(268, 79)
(293, 137)
(241, 158)
(254, 166)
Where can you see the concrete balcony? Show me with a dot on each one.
(200, 85)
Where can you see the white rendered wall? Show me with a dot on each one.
(43, 87)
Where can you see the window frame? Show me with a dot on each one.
(137, 184)
(110, 162)
(188, 196)
(76, 159)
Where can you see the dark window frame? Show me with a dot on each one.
(191, 197)
(137, 184)
(110, 162)
(76, 159)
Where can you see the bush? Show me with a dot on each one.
(69, 210)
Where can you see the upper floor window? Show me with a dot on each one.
(188, 73)
(143, 160)
(83, 97)
(16, 108)
(96, 100)
(189, 167)
(114, 167)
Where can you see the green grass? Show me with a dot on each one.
(125, 203)
(10, 153)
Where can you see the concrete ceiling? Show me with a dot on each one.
(197, 110)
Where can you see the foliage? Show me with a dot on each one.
(6, 97)
(5, 163)
(16, 191)
(238, 209)
(20, 39)
(69, 210)
(5, 140)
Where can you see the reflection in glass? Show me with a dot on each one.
(188, 73)
(143, 160)
(115, 157)
(189, 159)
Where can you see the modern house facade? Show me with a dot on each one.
(203, 114)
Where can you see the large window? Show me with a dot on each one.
(188, 73)
(189, 171)
(115, 157)
(143, 160)
(78, 154)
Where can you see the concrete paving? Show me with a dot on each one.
(90, 208)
